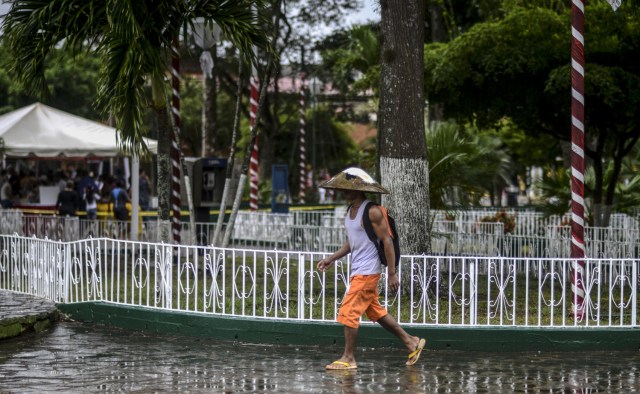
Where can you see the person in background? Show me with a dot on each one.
(100, 183)
(144, 190)
(119, 198)
(91, 198)
(29, 185)
(14, 180)
(68, 201)
(61, 179)
(6, 192)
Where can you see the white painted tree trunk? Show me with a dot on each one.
(234, 211)
(403, 165)
(408, 203)
(223, 207)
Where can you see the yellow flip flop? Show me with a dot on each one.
(340, 365)
(414, 356)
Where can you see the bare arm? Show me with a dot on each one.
(340, 253)
(381, 229)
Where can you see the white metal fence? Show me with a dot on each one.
(438, 290)
(323, 231)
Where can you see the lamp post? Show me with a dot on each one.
(205, 35)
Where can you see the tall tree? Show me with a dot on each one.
(474, 77)
(133, 39)
(401, 136)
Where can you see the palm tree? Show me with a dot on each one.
(463, 165)
(133, 40)
(360, 52)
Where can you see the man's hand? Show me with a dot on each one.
(324, 264)
(393, 282)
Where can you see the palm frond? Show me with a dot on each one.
(133, 38)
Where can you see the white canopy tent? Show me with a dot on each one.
(41, 131)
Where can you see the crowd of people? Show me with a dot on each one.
(79, 190)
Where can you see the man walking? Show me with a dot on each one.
(362, 296)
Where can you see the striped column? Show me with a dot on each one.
(175, 147)
(577, 157)
(253, 164)
(303, 153)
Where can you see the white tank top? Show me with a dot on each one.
(364, 255)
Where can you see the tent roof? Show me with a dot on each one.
(41, 131)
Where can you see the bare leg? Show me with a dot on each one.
(390, 324)
(350, 339)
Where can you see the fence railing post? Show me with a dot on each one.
(634, 292)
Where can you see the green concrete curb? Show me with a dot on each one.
(292, 332)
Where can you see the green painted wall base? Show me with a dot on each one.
(330, 334)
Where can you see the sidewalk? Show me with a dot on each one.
(20, 313)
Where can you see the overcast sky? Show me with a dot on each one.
(368, 12)
(4, 7)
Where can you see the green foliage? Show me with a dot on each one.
(508, 221)
(132, 40)
(191, 115)
(517, 68)
(526, 149)
(628, 195)
(72, 84)
(350, 60)
(474, 75)
(462, 165)
(332, 145)
(555, 188)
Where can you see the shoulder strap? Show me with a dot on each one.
(368, 227)
(366, 223)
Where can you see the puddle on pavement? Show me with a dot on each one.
(77, 357)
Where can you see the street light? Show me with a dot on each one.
(206, 34)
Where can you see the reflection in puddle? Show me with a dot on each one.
(76, 357)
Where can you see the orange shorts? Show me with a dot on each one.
(362, 297)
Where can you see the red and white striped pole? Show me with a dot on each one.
(175, 147)
(577, 157)
(253, 164)
(303, 158)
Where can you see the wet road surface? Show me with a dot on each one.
(74, 357)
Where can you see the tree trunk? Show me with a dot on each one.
(267, 137)
(264, 83)
(437, 33)
(404, 169)
(160, 106)
(164, 174)
(437, 30)
(229, 178)
(211, 108)
(597, 192)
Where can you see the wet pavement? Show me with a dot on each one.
(74, 357)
